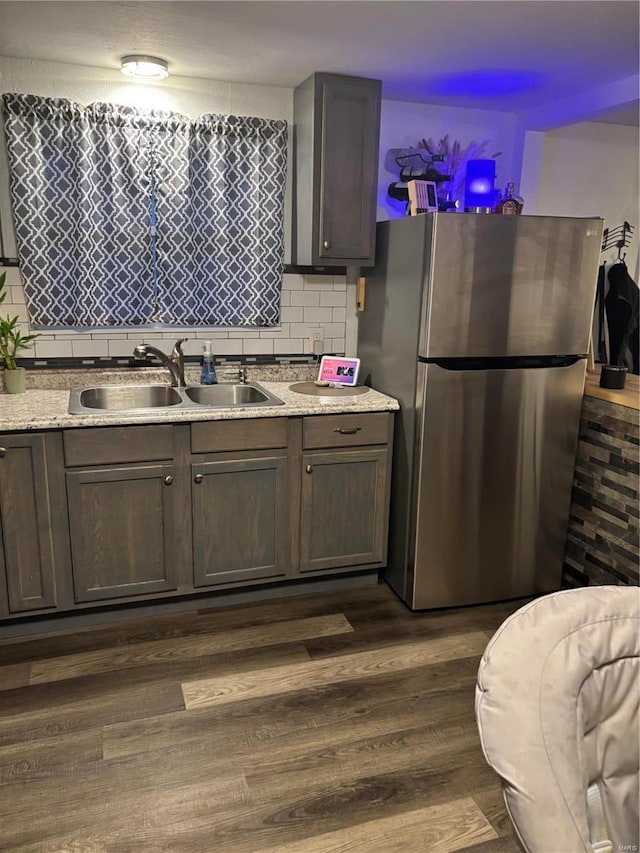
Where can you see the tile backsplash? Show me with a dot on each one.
(308, 303)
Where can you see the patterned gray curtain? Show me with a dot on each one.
(220, 222)
(127, 217)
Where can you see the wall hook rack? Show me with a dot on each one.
(617, 238)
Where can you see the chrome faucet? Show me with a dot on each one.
(174, 362)
(242, 375)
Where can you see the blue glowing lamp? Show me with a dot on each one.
(479, 190)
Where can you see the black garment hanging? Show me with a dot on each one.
(622, 302)
(601, 343)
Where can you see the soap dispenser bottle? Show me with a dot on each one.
(208, 373)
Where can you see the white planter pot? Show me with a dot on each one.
(15, 380)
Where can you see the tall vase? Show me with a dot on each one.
(15, 380)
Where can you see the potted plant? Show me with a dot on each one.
(11, 340)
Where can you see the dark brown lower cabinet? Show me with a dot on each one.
(104, 514)
(122, 522)
(240, 519)
(344, 508)
(31, 481)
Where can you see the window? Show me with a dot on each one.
(128, 217)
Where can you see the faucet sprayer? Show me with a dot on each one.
(174, 363)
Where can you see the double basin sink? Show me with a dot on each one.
(130, 398)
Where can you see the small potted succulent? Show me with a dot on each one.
(11, 340)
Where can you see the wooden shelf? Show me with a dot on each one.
(628, 396)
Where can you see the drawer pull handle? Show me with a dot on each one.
(3, 452)
(168, 480)
(309, 469)
(198, 478)
(344, 431)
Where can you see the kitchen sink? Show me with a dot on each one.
(120, 398)
(135, 398)
(226, 395)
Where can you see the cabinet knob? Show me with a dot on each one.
(168, 480)
(326, 244)
(3, 452)
(198, 478)
(309, 469)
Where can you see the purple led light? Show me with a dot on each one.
(488, 83)
(479, 183)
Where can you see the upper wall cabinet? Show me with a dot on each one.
(336, 139)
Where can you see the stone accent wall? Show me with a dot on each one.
(602, 545)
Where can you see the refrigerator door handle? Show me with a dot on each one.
(537, 362)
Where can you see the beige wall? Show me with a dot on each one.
(590, 169)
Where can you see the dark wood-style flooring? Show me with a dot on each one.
(316, 724)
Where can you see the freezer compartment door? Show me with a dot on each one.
(509, 286)
(494, 463)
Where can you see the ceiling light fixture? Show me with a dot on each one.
(140, 67)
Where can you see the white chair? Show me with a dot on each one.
(557, 705)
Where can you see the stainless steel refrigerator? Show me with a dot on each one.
(479, 325)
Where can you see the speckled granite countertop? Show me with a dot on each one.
(39, 409)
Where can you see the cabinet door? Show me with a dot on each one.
(344, 509)
(348, 169)
(26, 524)
(240, 520)
(123, 532)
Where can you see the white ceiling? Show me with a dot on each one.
(511, 55)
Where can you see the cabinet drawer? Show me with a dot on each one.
(106, 445)
(345, 430)
(248, 434)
